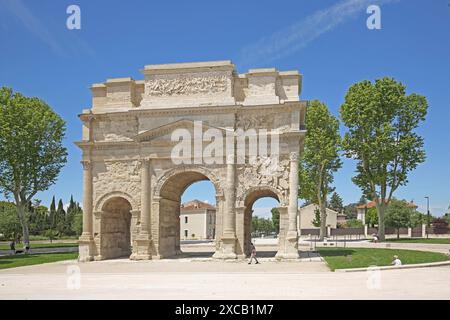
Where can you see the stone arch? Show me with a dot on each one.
(115, 226)
(167, 193)
(201, 171)
(261, 191)
(115, 194)
(249, 197)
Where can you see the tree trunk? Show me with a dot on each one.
(323, 221)
(23, 222)
(381, 211)
(398, 233)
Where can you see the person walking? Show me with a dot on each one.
(12, 246)
(253, 254)
(26, 247)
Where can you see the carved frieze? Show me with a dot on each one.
(121, 176)
(265, 171)
(187, 85)
(254, 120)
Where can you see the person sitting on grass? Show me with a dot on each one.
(375, 238)
(396, 261)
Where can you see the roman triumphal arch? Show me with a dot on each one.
(145, 141)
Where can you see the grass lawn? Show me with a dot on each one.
(344, 258)
(421, 240)
(13, 261)
(40, 245)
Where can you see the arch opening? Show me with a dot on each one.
(115, 241)
(187, 221)
(259, 226)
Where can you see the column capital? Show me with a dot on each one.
(87, 164)
(293, 156)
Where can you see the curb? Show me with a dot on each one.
(406, 266)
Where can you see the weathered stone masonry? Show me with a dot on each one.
(132, 188)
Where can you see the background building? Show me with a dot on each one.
(307, 215)
(197, 220)
(362, 209)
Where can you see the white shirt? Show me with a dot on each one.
(397, 262)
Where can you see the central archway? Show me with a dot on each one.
(169, 190)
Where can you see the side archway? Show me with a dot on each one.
(248, 199)
(115, 194)
(115, 228)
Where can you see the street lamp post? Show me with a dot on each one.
(428, 214)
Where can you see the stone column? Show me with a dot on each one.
(291, 242)
(293, 192)
(229, 226)
(145, 197)
(228, 242)
(142, 246)
(86, 241)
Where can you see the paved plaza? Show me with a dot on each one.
(197, 276)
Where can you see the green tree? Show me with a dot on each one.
(353, 223)
(50, 234)
(336, 203)
(60, 218)
(52, 214)
(362, 200)
(371, 217)
(350, 211)
(255, 224)
(417, 218)
(73, 215)
(38, 218)
(320, 158)
(77, 225)
(316, 221)
(381, 121)
(275, 219)
(32, 153)
(9, 221)
(398, 215)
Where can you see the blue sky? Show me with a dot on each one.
(327, 41)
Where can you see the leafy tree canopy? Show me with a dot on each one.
(381, 120)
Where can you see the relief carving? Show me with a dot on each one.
(121, 176)
(247, 121)
(187, 86)
(265, 171)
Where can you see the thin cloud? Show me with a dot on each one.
(32, 23)
(63, 42)
(297, 36)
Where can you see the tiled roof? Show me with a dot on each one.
(196, 204)
(372, 204)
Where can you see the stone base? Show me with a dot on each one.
(227, 249)
(290, 249)
(86, 248)
(142, 248)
